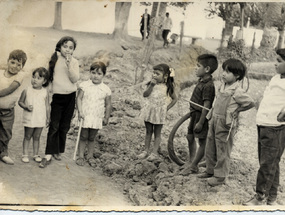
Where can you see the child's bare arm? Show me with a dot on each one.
(108, 110)
(79, 104)
(47, 109)
(242, 108)
(22, 102)
(199, 125)
(149, 89)
(173, 102)
(9, 89)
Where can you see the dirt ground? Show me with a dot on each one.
(120, 179)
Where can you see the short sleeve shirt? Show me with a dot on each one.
(204, 90)
(9, 101)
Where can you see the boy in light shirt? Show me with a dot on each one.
(271, 136)
(10, 80)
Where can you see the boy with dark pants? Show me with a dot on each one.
(203, 95)
(10, 80)
(270, 120)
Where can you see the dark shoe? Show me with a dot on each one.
(255, 200)
(44, 163)
(205, 175)
(57, 157)
(215, 181)
(271, 202)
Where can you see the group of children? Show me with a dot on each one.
(214, 116)
(60, 81)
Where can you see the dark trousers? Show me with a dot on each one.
(142, 31)
(62, 108)
(164, 36)
(7, 117)
(271, 142)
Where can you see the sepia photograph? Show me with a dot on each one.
(142, 106)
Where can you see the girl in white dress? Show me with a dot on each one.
(35, 104)
(160, 97)
(94, 108)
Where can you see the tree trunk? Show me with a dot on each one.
(122, 11)
(280, 43)
(228, 31)
(161, 16)
(57, 16)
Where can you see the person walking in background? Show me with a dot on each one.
(160, 97)
(36, 109)
(10, 81)
(271, 136)
(94, 108)
(143, 27)
(230, 101)
(64, 73)
(166, 28)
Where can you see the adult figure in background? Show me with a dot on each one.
(166, 28)
(147, 27)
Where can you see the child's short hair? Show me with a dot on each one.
(43, 72)
(208, 60)
(236, 67)
(98, 65)
(18, 55)
(281, 53)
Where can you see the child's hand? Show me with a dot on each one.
(105, 121)
(198, 127)
(80, 116)
(235, 114)
(281, 116)
(30, 108)
(153, 82)
(68, 59)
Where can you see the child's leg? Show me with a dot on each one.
(192, 146)
(36, 140)
(6, 125)
(91, 142)
(149, 131)
(200, 152)
(83, 142)
(27, 138)
(157, 138)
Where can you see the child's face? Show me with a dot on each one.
(280, 65)
(96, 76)
(67, 49)
(37, 81)
(158, 76)
(200, 70)
(14, 66)
(228, 77)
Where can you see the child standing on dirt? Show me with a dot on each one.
(231, 99)
(10, 81)
(35, 104)
(94, 108)
(203, 95)
(157, 94)
(64, 73)
(271, 134)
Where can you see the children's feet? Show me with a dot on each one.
(152, 157)
(7, 160)
(202, 164)
(205, 175)
(189, 169)
(92, 162)
(44, 163)
(37, 158)
(80, 161)
(255, 200)
(271, 202)
(142, 155)
(57, 156)
(215, 181)
(25, 159)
